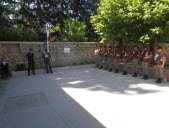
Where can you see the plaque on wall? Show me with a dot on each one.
(66, 50)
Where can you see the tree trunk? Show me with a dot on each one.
(120, 44)
(153, 44)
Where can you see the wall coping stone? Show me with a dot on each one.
(26, 42)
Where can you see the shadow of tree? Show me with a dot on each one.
(99, 80)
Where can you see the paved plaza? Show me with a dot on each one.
(83, 98)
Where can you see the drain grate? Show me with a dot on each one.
(23, 102)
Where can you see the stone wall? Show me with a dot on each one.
(80, 53)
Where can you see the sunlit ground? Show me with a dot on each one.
(116, 101)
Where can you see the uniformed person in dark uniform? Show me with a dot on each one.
(30, 58)
(47, 56)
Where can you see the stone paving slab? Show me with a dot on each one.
(2, 86)
(29, 100)
(41, 117)
(71, 112)
(85, 98)
(24, 102)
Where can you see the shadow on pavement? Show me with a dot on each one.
(99, 80)
(27, 108)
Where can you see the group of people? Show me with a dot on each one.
(107, 58)
(31, 63)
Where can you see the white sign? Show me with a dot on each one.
(66, 50)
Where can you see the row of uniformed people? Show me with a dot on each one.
(105, 58)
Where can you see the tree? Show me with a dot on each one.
(74, 31)
(139, 21)
(34, 14)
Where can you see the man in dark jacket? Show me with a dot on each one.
(47, 56)
(30, 58)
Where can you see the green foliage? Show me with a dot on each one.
(18, 34)
(135, 20)
(74, 31)
(34, 14)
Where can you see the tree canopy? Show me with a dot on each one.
(139, 21)
(32, 15)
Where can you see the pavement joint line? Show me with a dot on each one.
(66, 122)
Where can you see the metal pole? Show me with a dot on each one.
(48, 46)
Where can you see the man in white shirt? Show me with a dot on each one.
(47, 56)
(96, 53)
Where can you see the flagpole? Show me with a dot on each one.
(47, 28)
(48, 46)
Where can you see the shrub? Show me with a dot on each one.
(18, 34)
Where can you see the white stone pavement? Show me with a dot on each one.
(84, 98)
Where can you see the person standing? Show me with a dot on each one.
(101, 52)
(125, 57)
(30, 58)
(96, 53)
(105, 55)
(135, 57)
(159, 61)
(110, 59)
(146, 57)
(116, 56)
(47, 56)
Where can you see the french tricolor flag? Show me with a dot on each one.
(48, 32)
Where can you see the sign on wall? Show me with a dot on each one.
(66, 50)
